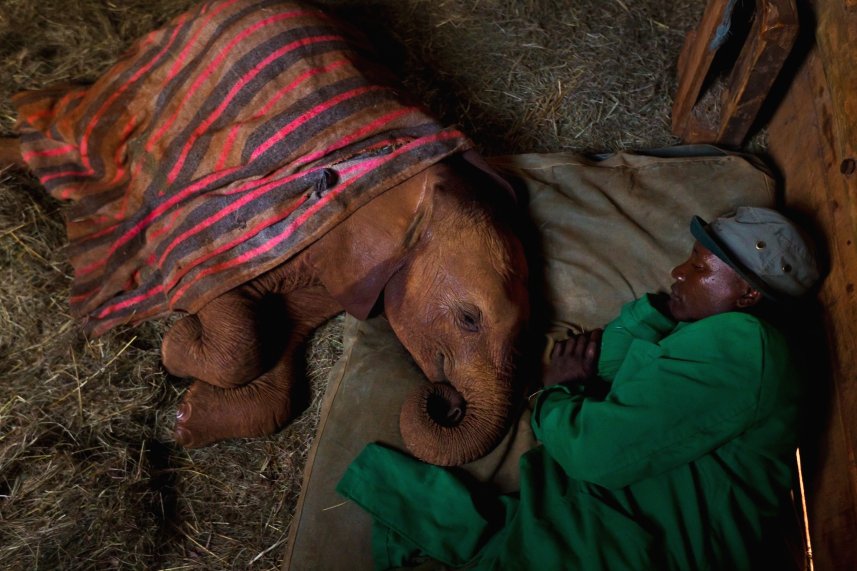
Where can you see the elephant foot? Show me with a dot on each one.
(190, 352)
(209, 414)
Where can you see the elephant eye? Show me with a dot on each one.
(469, 318)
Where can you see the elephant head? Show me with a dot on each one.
(440, 253)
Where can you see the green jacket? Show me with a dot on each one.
(678, 467)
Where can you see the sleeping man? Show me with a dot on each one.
(667, 439)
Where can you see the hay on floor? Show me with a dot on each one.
(89, 477)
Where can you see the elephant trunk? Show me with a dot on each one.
(441, 426)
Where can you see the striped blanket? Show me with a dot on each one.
(217, 148)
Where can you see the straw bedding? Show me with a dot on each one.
(89, 477)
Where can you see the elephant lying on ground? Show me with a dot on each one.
(249, 165)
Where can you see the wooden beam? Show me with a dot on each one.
(836, 35)
(694, 61)
(768, 44)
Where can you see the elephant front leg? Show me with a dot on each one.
(228, 343)
(265, 404)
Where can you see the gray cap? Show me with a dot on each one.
(764, 247)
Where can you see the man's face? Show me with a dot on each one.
(705, 285)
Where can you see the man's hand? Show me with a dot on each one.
(575, 359)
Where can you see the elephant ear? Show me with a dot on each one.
(355, 260)
(476, 160)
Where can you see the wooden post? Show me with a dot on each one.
(812, 140)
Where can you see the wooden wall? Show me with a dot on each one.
(812, 140)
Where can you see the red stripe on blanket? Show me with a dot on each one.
(227, 148)
(65, 149)
(55, 175)
(203, 127)
(217, 64)
(191, 43)
(362, 167)
(299, 80)
(120, 163)
(141, 246)
(317, 110)
(255, 190)
(130, 302)
(142, 72)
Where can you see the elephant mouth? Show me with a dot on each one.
(445, 405)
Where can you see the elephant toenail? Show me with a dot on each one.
(183, 437)
(183, 411)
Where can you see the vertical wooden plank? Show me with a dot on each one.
(765, 49)
(695, 59)
(803, 143)
(770, 41)
(836, 34)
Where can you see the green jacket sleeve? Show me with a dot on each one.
(417, 504)
(670, 402)
(637, 320)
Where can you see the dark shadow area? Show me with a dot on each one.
(804, 323)
(740, 25)
(163, 500)
(379, 22)
(810, 336)
(541, 311)
(272, 328)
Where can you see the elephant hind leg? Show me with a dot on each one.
(264, 405)
(209, 414)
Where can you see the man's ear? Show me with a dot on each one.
(356, 259)
(749, 298)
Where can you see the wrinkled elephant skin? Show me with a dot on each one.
(250, 165)
(439, 252)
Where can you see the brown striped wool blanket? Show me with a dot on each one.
(217, 148)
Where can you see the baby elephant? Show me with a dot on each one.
(250, 165)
